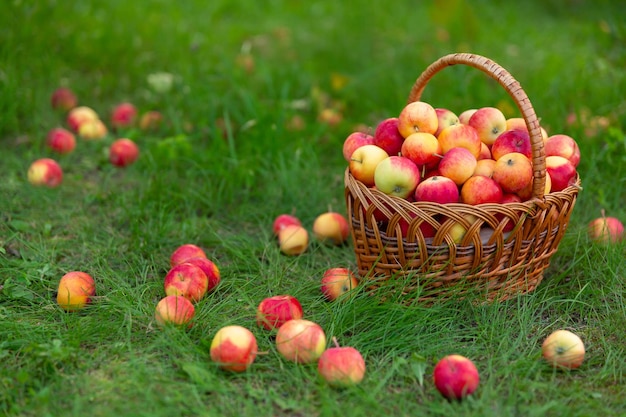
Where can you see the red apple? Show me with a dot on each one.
(485, 152)
(331, 227)
(338, 281)
(123, 152)
(174, 309)
(61, 140)
(397, 176)
(233, 348)
(293, 240)
(273, 312)
(606, 229)
(92, 129)
(354, 141)
(458, 164)
(417, 116)
(445, 117)
(123, 115)
(63, 99)
(562, 172)
(460, 136)
(565, 146)
(76, 289)
(283, 220)
(520, 123)
(426, 229)
(489, 122)
(78, 115)
(515, 140)
(513, 172)
(187, 280)
(150, 120)
(437, 189)
(388, 137)
(422, 148)
(479, 189)
(341, 366)
(456, 377)
(185, 252)
(45, 172)
(210, 270)
(563, 349)
(300, 341)
(363, 163)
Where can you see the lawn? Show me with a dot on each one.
(244, 87)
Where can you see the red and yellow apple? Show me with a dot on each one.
(417, 116)
(331, 227)
(187, 280)
(61, 140)
(338, 283)
(150, 120)
(234, 348)
(515, 140)
(455, 377)
(606, 229)
(563, 145)
(63, 99)
(354, 141)
(283, 220)
(92, 129)
(458, 164)
(45, 172)
(341, 366)
(209, 268)
(445, 118)
(175, 310)
(465, 115)
(388, 137)
(363, 162)
(563, 349)
(76, 289)
(184, 252)
(123, 116)
(273, 312)
(123, 152)
(513, 172)
(437, 189)
(479, 189)
(397, 176)
(422, 148)
(301, 341)
(460, 136)
(562, 172)
(489, 122)
(79, 115)
(484, 167)
(293, 240)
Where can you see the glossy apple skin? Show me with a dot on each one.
(293, 240)
(388, 137)
(210, 270)
(354, 141)
(338, 281)
(456, 377)
(463, 136)
(515, 140)
(187, 280)
(565, 146)
(273, 312)
(489, 122)
(417, 116)
(341, 366)
(458, 164)
(331, 227)
(184, 252)
(75, 291)
(301, 341)
(234, 348)
(175, 310)
(562, 172)
(397, 176)
(363, 162)
(45, 172)
(123, 152)
(513, 172)
(61, 140)
(480, 190)
(437, 189)
(445, 117)
(563, 349)
(422, 148)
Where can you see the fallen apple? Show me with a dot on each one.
(63, 99)
(455, 377)
(61, 140)
(210, 270)
(45, 172)
(123, 152)
(187, 280)
(79, 115)
(331, 227)
(606, 229)
(563, 349)
(283, 220)
(184, 252)
(338, 282)
(175, 310)
(123, 115)
(300, 341)
(293, 240)
(233, 348)
(273, 312)
(75, 290)
(341, 366)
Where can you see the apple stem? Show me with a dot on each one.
(603, 213)
(335, 342)
(437, 155)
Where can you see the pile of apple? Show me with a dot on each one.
(84, 122)
(431, 154)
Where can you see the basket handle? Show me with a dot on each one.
(513, 87)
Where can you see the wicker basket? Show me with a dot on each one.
(493, 261)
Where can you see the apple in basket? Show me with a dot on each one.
(437, 189)
(562, 172)
(512, 141)
(484, 167)
(363, 163)
(422, 148)
(417, 116)
(356, 140)
(397, 176)
(445, 118)
(458, 164)
(489, 122)
(513, 172)
(460, 136)
(388, 137)
(565, 146)
(520, 123)
(465, 115)
(479, 190)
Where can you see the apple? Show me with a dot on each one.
(301, 341)
(354, 141)
(329, 116)
(388, 137)
(520, 123)
(466, 115)
(437, 189)
(458, 164)
(513, 172)
(185, 252)
(123, 116)
(563, 145)
(515, 140)
(76, 289)
(338, 281)
(459, 230)
(422, 148)
(506, 199)
(45, 172)
(209, 268)
(463, 136)
(489, 122)
(233, 348)
(174, 309)
(527, 192)
(485, 151)
(150, 120)
(417, 116)
(187, 280)
(79, 115)
(479, 189)
(92, 129)
(563, 349)
(283, 220)
(293, 240)
(63, 99)
(426, 229)
(484, 167)
(61, 140)
(123, 152)
(397, 176)
(341, 366)
(606, 229)
(562, 172)
(363, 162)
(445, 118)
(455, 377)
(273, 312)
(331, 227)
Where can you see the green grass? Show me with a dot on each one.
(192, 184)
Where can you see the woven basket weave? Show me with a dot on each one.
(491, 261)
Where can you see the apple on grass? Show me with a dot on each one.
(489, 122)
(301, 341)
(123, 152)
(92, 129)
(460, 136)
(283, 220)
(75, 290)
(422, 148)
(363, 162)
(338, 283)
(210, 270)
(606, 229)
(397, 176)
(417, 116)
(63, 99)
(187, 280)
(479, 189)
(458, 164)
(234, 348)
(445, 118)
(45, 172)
(563, 349)
(562, 172)
(512, 141)
(123, 115)
(437, 189)
(293, 240)
(175, 310)
(79, 115)
(184, 252)
(455, 377)
(273, 312)
(150, 120)
(388, 137)
(341, 366)
(61, 140)
(354, 141)
(565, 146)
(513, 172)
(331, 227)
